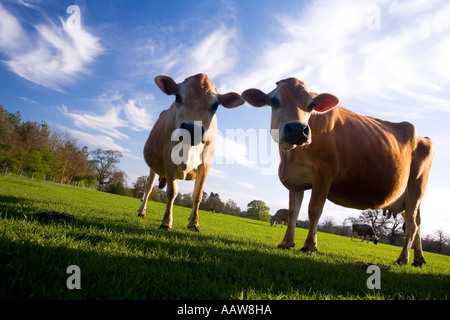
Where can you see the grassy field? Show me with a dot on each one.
(122, 256)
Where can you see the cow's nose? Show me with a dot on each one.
(196, 134)
(296, 133)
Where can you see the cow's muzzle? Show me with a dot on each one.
(195, 132)
(295, 133)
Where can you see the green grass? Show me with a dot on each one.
(122, 256)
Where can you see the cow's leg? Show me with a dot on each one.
(197, 195)
(148, 189)
(318, 197)
(418, 253)
(171, 193)
(420, 172)
(295, 202)
(412, 220)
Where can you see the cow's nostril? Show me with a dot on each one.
(306, 131)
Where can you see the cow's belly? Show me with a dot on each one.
(370, 193)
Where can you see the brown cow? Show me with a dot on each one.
(281, 216)
(363, 230)
(182, 141)
(353, 160)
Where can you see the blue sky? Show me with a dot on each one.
(387, 59)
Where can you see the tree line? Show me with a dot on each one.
(256, 209)
(33, 149)
(389, 228)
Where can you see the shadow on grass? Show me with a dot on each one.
(155, 264)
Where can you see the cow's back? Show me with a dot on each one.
(282, 215)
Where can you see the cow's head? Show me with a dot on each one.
(292, 105)
(196, 102)
(272, 221)
(375, 239)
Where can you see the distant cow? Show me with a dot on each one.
(181, 144)
(281, 216)
(353, 160)
(363, 230)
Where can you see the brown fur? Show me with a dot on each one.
(197, 97)
(353, 160)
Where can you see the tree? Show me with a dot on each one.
(258, 210)
(105, 164)
(231, 208)
(139, 185)
(440, 240)
(327, 225)
(117, 183)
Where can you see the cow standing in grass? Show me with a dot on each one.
(182, 142)
(353, 160)
(281, 216)
(363, 230)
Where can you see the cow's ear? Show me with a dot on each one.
(325, 101)
(231, 100)
(166, 84)
(256, 97)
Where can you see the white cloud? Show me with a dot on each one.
(211, 49)
(216, 173)
(52, 56)
(138, 117)
(332, 47)
(228, 151)
(213, 55)
(106, 123)
(97, 141)
(11, 32)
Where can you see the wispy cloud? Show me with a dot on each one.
(116, 115)
(52, 56)
(98, 141)
(107, 123)
(371, 50)
(211, 46)
(228, 151)
(29, 100)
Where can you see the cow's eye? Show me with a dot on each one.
(178, 98)
(275, 102)
(311, 106)
(215, 106)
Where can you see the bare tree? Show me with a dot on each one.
(440, 239)
(105, 164)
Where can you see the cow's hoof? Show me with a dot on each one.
(401, 262)
(285, 247)
(165, 227)
(308, 251)
(418, 263)
(194, 228)
(142, 215)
